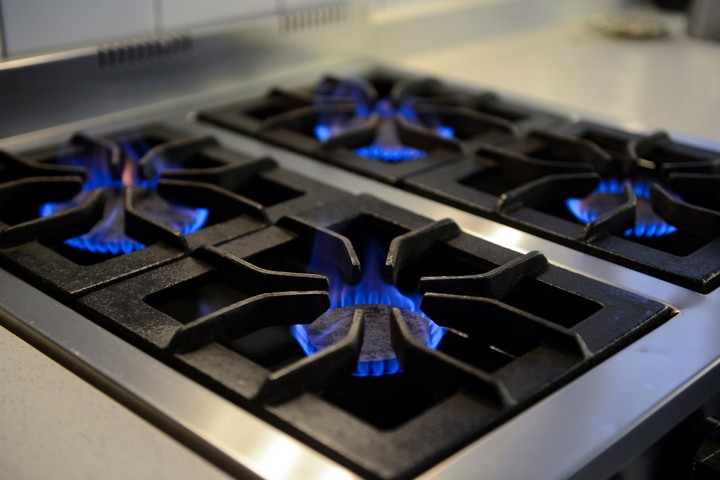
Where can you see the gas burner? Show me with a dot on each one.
(610, 195)
(375, 297)
(113, 177)
(372, 374)
(107, 207)
(646, 202)
(387, 145)
(402, 125)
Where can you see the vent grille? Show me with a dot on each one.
(143, 52)
(313, 17)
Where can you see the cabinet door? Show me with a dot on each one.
(42, 25)
(192, 13)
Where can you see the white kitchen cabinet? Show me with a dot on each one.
(42, 25)
(192, 13)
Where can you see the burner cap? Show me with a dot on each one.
(377, 356)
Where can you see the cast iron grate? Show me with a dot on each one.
(250, 296)
(97, 209)
(646, 202)
(383, 125)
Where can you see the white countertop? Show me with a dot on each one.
(53, 425)
(672, 83)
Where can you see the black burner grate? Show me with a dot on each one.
(227, 314)
(646, 202)
(383, 125)
(129, 181)
(382, 339)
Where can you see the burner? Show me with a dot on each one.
(609, 196)
(644, 201)
(384, 393)
(103, 209)
(108, 235)
(376, 296)
(387, 145)
(402, 125)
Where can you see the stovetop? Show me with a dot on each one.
(644, 201)
(231, 291)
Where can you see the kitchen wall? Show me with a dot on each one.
(140, 75)
(225, 55)
(40, 26)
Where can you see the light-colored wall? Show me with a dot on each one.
(40, 26)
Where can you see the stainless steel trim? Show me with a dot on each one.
(23, 62)
(158, 109)
(230, 437)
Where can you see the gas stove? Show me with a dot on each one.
(350, 272)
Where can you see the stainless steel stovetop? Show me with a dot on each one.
(588, 429)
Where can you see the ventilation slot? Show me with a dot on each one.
(314, 17)
(143, 52)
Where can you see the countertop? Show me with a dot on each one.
(670, 83)
(99, 437)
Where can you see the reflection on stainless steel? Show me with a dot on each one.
(505, 236)
(237, 440)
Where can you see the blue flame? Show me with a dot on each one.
(607, 195)
(372, 289)
(446, 131)
(353, 88)
(323, 132)
(390, 154)
(408, 111)
(387, 147)
(107, 236)
(375, 151)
